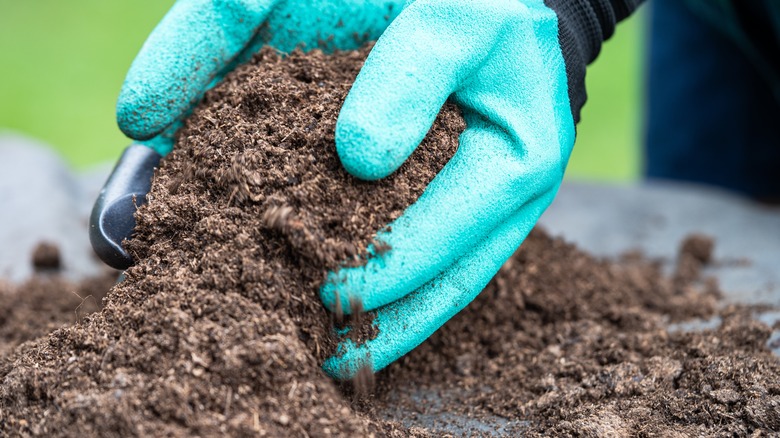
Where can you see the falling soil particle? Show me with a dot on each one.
(218, 329)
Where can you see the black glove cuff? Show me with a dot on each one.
(582, 26)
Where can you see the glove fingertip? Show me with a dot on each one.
(367, 151)
(138, 119)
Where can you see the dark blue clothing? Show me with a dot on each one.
(713, 111)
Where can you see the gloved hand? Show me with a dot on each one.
(199, 41)
(503, 62)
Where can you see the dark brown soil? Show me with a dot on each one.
(218, 329)
(695, 252)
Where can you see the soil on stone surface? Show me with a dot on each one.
(560, 343)
(218, 329)
(47, 301)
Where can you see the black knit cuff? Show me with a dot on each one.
(582, 26)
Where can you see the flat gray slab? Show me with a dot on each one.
(42, 199)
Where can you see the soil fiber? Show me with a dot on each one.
(218, 328)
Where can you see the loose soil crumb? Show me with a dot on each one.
(46, 257)
(218, 329)
(698, 246)
(695, 252)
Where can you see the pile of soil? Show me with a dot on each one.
(218, 328)
(560, 343)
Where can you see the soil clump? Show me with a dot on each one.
(218, 329)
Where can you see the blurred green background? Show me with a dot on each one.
(63, 63)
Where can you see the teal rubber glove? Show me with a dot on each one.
(503, 62)
(199, 41)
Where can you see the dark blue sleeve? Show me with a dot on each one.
(711, 112)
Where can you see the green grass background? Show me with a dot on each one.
(62, 64)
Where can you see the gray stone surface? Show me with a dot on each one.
(41, 199)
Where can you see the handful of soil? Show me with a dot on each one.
(218, 329)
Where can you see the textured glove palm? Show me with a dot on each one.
(501, 62)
